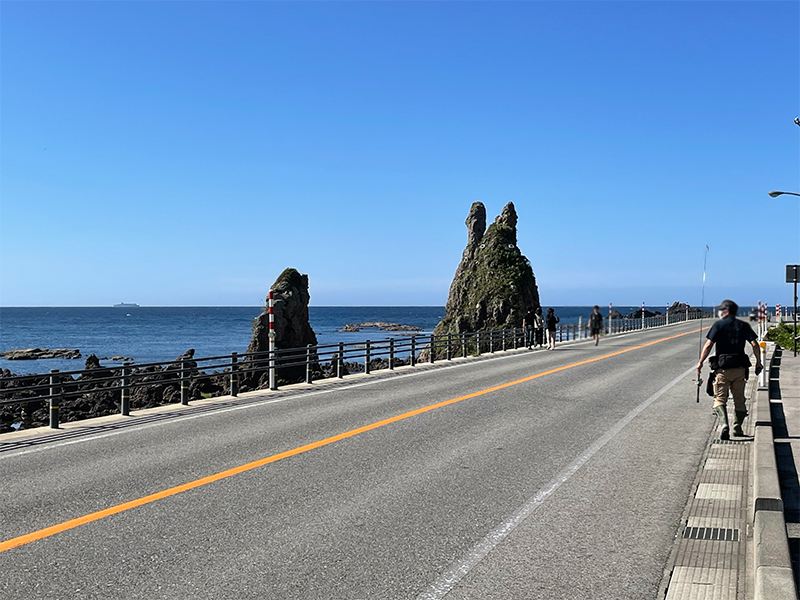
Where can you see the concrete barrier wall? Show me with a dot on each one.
(774, 579)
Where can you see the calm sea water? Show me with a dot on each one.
(153, 334)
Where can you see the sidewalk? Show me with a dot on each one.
(744, 510)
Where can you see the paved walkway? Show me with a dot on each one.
(745, 503)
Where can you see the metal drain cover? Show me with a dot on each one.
(711, 533)
(732, 441)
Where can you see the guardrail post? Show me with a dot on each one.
(433, 348)
(125, 398)
(478, 342)
(504, 339)
(413, 351)
(514, 337)
(234, 375)
(309, 376)
(340, 362)
(448, 346)
(391, 353)
(54, 401)
(184, 384)
(463, 344)
(273, 374)
(366, 357)
(491, 341)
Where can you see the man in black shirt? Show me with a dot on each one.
(730, 365)
(527, 325)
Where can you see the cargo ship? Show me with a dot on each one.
(126, 305)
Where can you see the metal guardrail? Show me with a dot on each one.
(56, 386)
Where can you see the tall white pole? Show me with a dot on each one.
(272, 383)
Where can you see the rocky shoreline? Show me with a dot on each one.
(381, 325)
(96, 392)
(39, 353)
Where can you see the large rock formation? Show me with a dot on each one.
(292, 329)
(494, 285)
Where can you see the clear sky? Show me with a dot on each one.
(185, 153)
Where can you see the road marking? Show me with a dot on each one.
(442, 586)
(113, 510)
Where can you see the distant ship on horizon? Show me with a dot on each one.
(126, 305)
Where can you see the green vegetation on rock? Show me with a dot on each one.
(494, 285)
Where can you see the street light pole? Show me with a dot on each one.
(775, 194)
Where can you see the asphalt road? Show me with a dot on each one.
(562, 479)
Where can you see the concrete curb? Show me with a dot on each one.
(774, 579)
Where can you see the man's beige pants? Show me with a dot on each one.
(733, 380)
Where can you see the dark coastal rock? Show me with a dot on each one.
(96, 391)
(381, 325)
(680, 308)
(637, 314)
(39, 353)
(292, 329)
(494, 286)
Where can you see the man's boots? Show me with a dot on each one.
(724, 428)
(737, 422)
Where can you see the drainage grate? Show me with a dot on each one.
(711, 533)
(732, 441)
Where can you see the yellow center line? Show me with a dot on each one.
(113, 510)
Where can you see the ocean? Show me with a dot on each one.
(154, 334)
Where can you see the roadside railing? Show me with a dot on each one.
(183, 379)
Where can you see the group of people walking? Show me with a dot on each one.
(535, 326)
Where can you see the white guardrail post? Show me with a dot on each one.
(272, 382)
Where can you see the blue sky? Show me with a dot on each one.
(185, 153)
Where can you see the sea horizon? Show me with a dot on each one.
(148, 334)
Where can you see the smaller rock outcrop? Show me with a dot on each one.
(680, 308)
(39, 353)
(292, 330)
(381, 325)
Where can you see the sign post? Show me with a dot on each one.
(792, 273)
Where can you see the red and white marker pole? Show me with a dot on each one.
(778, 315)
(609, 318)
(272, 383)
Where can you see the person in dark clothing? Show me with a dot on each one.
(730, 365)
(527, 326)
(551, 320)
(596, 324)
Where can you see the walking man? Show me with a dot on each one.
(527, 326)
(596, 324)
(730, 365)
(551, 320)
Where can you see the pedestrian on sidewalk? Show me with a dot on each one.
(596, 324)
(551, 320)
(538, 325)
(730, 366)
(527, 326)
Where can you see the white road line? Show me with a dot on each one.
(442, 586)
